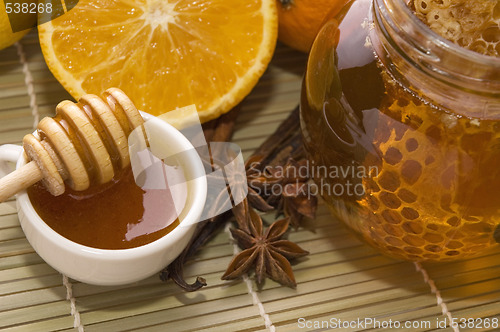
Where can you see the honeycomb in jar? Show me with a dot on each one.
(472, 24)
(435, 196)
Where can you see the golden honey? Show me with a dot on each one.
(420, 118)
(115, 215)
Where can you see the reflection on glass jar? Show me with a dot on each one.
(402, 128)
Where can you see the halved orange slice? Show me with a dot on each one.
(163, 54)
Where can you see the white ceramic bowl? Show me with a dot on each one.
(116, 267)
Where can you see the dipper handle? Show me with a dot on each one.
(20, 179)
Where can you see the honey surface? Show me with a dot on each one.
(116, 215)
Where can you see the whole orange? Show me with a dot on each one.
(300, 20)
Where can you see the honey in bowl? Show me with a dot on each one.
(418, 119)
(115, 215)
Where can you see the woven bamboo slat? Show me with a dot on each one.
(341, 279)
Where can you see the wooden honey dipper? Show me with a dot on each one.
(82, 145)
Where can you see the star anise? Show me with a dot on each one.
(259, 183)
(284, 187)
(266, 251)
(297, 201)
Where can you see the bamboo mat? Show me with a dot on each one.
(341, 279)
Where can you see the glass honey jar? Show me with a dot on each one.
(402, 131)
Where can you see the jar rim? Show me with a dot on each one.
(445, 74)
(419, 54)
(402, 7)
